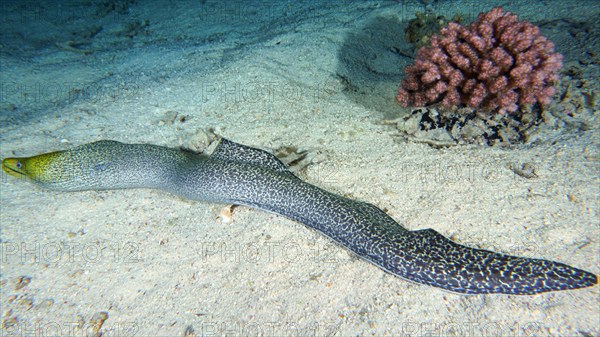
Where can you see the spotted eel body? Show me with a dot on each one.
(241, 175)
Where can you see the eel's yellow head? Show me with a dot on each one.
(36, 169)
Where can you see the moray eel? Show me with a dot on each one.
(241, 175)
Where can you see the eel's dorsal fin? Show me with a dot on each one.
(231, 151)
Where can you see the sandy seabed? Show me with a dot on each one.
(269, 75)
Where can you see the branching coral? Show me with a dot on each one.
(497, 63)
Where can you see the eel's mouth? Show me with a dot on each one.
(13, 167)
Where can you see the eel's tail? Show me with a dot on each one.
(428, 257)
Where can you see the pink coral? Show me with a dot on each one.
(497, 63)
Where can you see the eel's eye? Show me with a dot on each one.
(18, 164)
